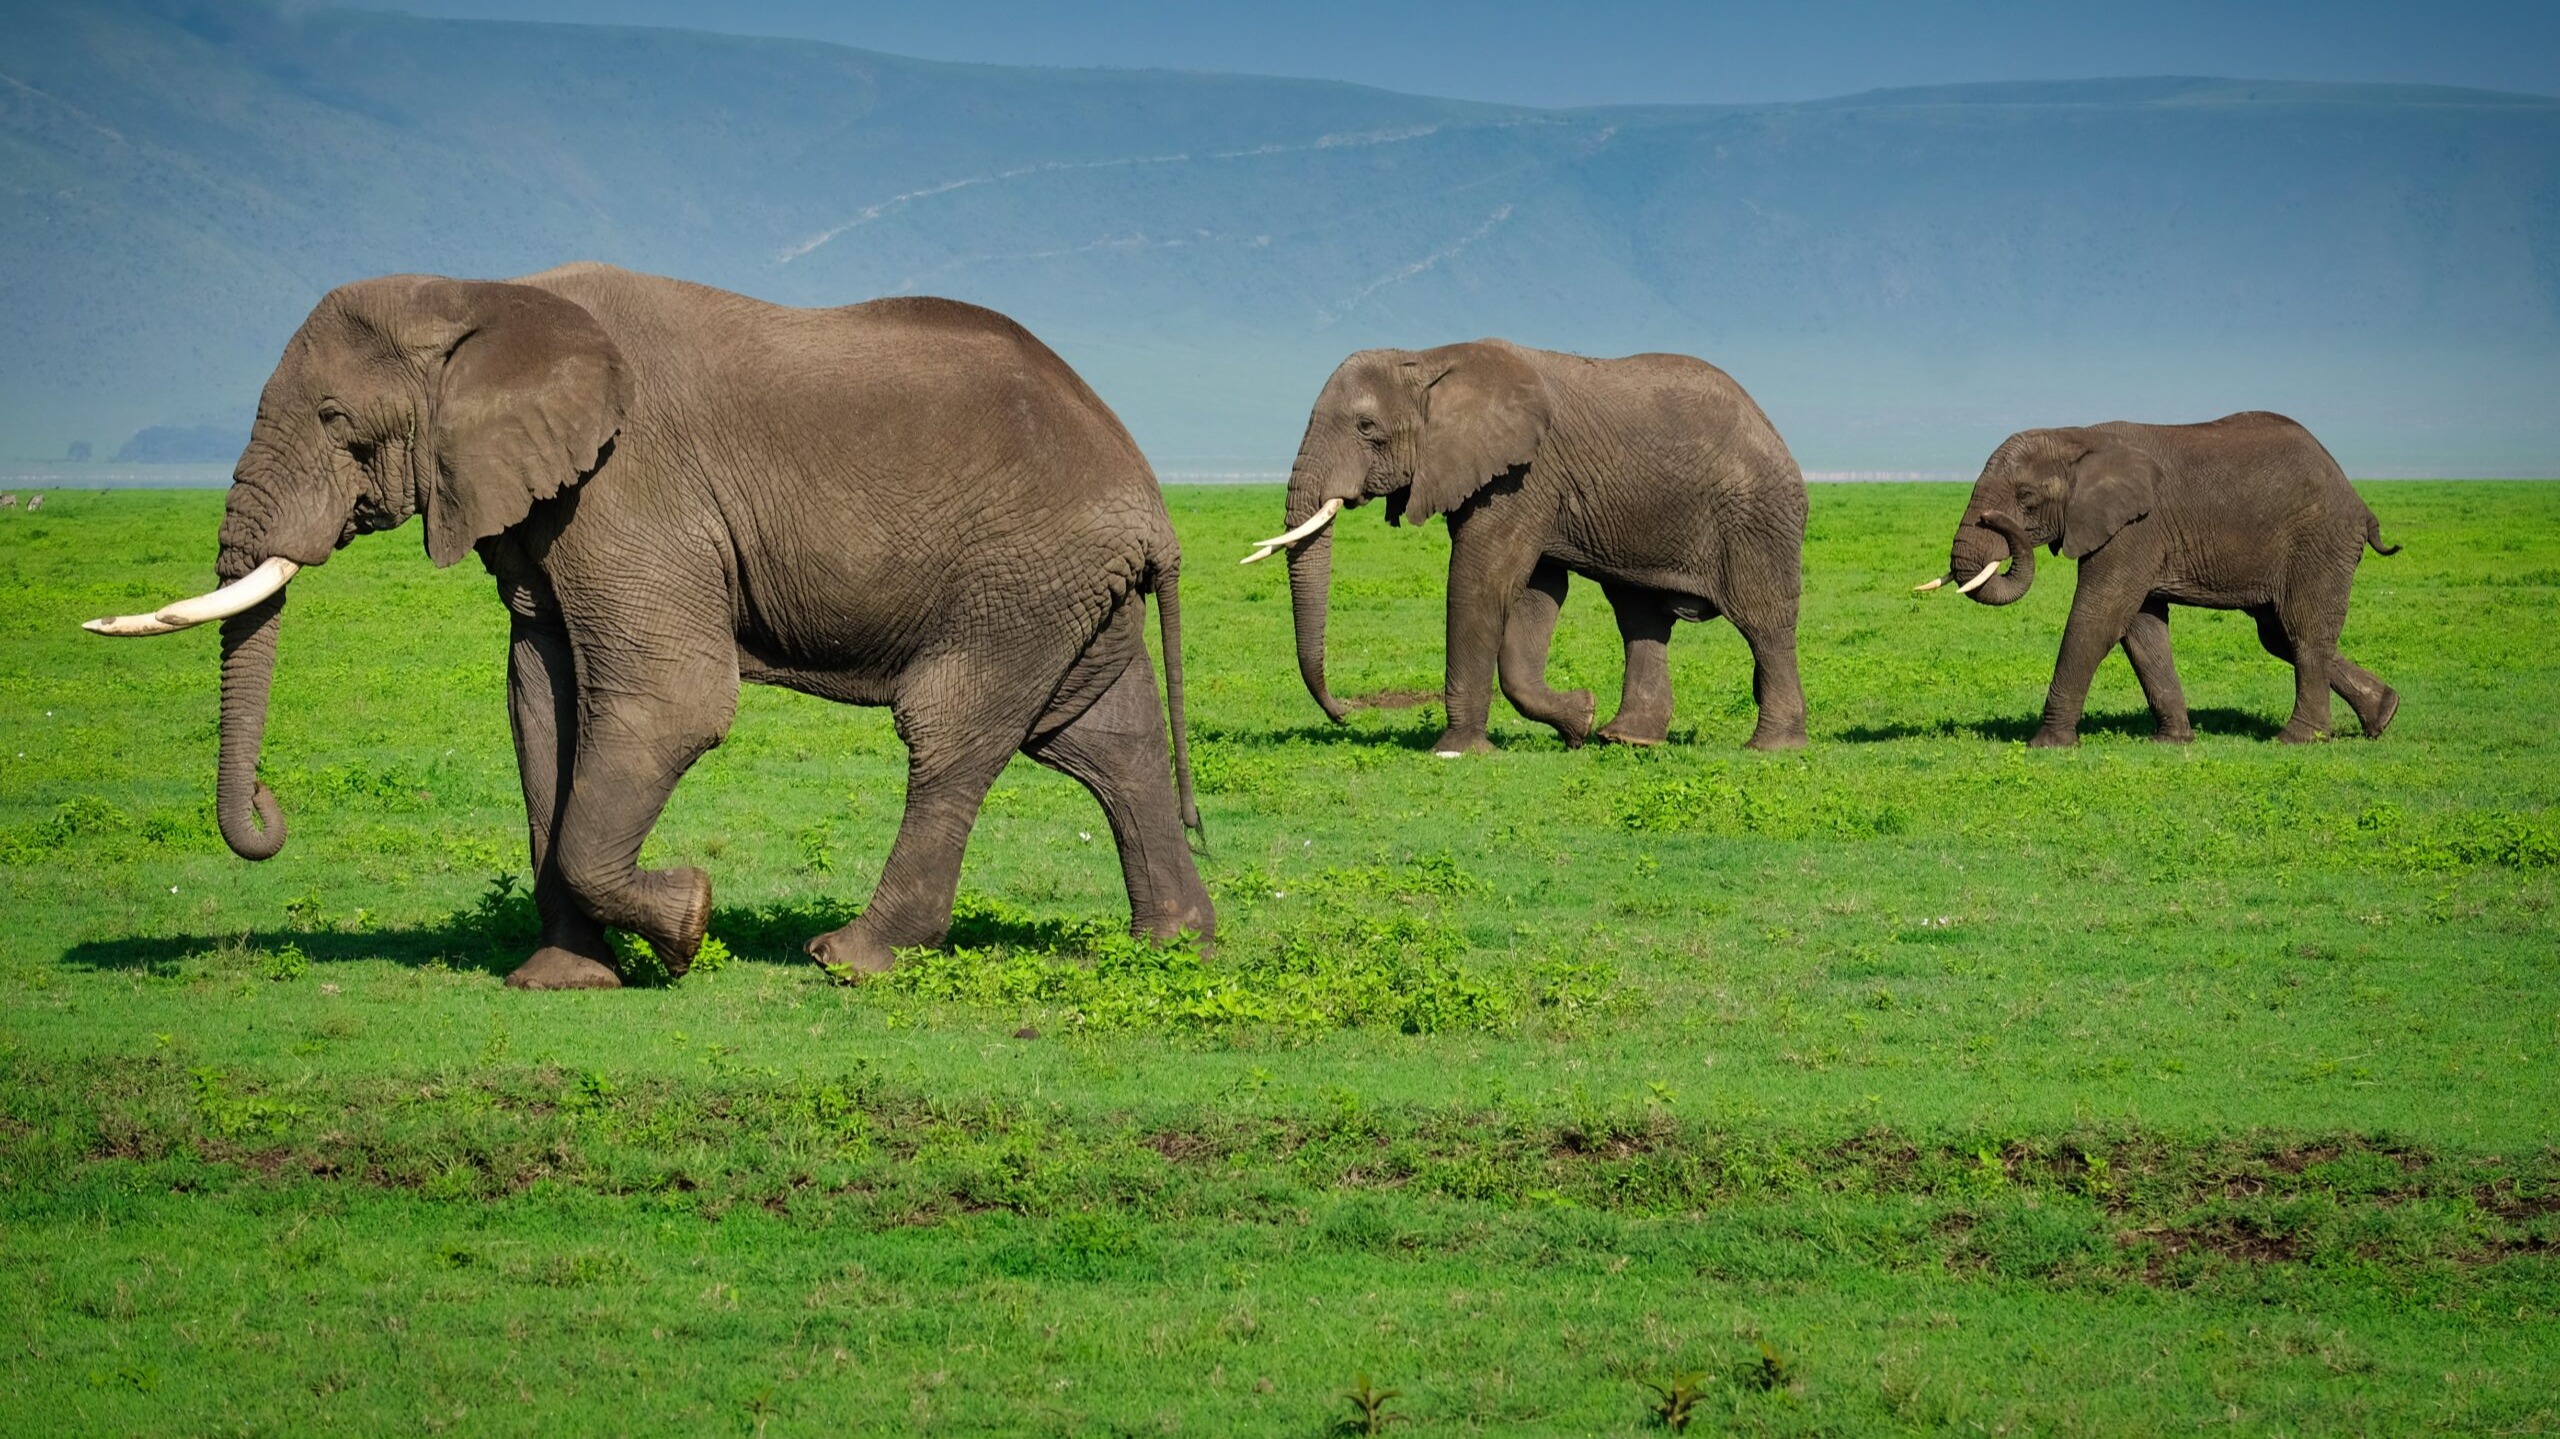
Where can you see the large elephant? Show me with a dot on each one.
(1654, 475)
(2247, 512)
(910, 503)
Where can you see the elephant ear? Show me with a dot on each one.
(2111, 487)
(1484, 412)
(531, 395)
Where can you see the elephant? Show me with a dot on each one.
(1655, 475)
(2248, 512)
(910, 502)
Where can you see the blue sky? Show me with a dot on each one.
(1621, 51)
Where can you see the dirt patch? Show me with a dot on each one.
(2502, 1200)
(1178, 1146)
(2294, 1161)
(2242, 1242)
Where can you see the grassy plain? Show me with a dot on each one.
(1913, 1082)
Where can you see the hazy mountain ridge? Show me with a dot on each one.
(1901, 276)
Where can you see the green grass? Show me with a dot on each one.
(1916, 1081)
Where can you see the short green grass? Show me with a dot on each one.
(1916, 1081)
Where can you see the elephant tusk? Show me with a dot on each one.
(1930, 585)
(1977, 582)
(249, 590)
(1263, 549)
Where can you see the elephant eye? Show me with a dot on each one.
(1369, 427)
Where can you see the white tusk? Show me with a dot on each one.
(1931, 585)
(1322, 517)
(1969, 586)
(249, 590)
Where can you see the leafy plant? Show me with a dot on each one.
(1676, 1399)
(1368, 1409)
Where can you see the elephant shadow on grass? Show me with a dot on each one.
(1417, 737)
(1419, 733)
(2130, 724)
(494, 935)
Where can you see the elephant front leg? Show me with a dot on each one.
(542, 709)
(2099, 622)
(2146, 648)
(1489, 567)
(1528, 635)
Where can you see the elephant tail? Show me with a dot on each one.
(1168, 588)
(2373, 535)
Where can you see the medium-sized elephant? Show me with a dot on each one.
(2247, 512)
(910, 503)
(1654, 475)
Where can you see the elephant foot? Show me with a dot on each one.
(1775, 739)
(1196, 919)
(1451, 745)
(676, 947)
(2298, 732)
(1618, 731)
(850, 955)
(2054, 739)
(1581, 711)
(552, 967)
(2174, 734)
(2383, 714)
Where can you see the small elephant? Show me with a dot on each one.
(910, 503)
(1654, 475)
(2247, 512)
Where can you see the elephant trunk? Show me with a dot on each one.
(1310, 591)
(1999, 589)
(252, 823)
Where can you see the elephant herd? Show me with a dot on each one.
(914, 503)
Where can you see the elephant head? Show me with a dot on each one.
(1426, 429)
(465, 401)
(2069, 490)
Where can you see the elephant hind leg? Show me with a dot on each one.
(1116, 749)
(1645, 618)
(1528, 635)
(2310, 645)
(2375, 704)
(1776, 687)
(962, 719)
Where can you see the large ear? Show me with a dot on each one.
(2111, 487)
(1484, 411)
(530, 395)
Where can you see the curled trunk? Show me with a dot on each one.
(2005, 589)
(252, 823)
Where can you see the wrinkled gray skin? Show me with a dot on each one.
(1654, 475)
(909, 503)
(2247, 512)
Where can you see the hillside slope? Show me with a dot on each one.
(1902, 276)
